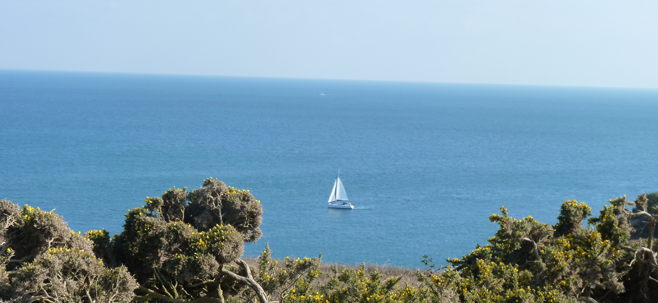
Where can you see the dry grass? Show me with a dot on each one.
(409, 276)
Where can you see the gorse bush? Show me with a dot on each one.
(525, 261)
(528, 261)
(180, 246)
(187, 246)
(42, 260)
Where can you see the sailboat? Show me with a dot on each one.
(338, 198)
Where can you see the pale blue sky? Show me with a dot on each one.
(575, 43)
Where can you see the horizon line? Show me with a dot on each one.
(323, 79)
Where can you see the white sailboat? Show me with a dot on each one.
(338, 198)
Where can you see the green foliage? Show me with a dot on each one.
(351, 285)
(180, 246)
(66, 275)
(171, 207)
(215, 203)
(279, 279)
(288, 279)
(42, 260)
(187, 247)
(32, 231)
(651, 203)
(102, 245)
(526, 262)
(612, 222)
(177, 251)
(571, 217)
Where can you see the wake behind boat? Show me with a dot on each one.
(338, 198)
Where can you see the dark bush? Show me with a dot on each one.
(181, 246)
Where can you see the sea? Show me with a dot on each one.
(425, 164)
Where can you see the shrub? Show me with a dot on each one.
(187, 247)
(42, 260)
(181, 246)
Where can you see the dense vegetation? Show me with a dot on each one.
(187, 246)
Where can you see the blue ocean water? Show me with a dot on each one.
(425, 164)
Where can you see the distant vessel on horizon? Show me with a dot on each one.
(338, 198)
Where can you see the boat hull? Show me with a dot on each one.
(341, 205)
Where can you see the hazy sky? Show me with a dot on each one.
(582, 43)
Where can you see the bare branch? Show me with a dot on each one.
(534, 244)
(642, 213)
(164, 286)
(652, 225)
(23, 259)
(202, 283)
(262, 297)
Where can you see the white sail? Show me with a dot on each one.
(332, 198)
(341, 194)
(338, 197)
